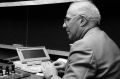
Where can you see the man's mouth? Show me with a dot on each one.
(68, 32)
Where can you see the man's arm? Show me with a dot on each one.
(60, 63)
(81, 65)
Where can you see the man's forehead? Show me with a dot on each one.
(71, 13)
(77, 8)
(74, 10)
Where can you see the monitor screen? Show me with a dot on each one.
(33, 53)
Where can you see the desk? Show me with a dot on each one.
(9, 51)
(20, 73)
(33, 76)
(54, 52)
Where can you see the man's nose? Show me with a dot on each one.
(64, 25)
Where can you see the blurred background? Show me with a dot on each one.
(41, 25)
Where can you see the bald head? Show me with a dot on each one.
(84, 8)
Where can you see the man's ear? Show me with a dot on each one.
(82, 21)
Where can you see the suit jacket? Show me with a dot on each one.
(95, 56)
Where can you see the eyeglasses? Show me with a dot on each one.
(67, 19)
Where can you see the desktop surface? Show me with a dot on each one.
(54, 55)
(17, 74)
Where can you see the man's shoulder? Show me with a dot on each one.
(93, 37)
(80, 45)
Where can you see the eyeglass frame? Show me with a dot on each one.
(67, 19)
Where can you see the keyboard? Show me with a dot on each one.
(32, 69)
(35, 68)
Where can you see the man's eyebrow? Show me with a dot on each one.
(67, 18)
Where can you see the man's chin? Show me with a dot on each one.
(71, 38)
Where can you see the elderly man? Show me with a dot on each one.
(93, 55)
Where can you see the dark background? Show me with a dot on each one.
(41, 25)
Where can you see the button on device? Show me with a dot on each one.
(7, 71)
(40, 74)
(1, 70)
(12, 68)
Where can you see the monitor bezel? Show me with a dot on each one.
(22, 59)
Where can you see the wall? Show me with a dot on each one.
(42, 24)
(34, 25)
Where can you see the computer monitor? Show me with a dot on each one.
(27, 54)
